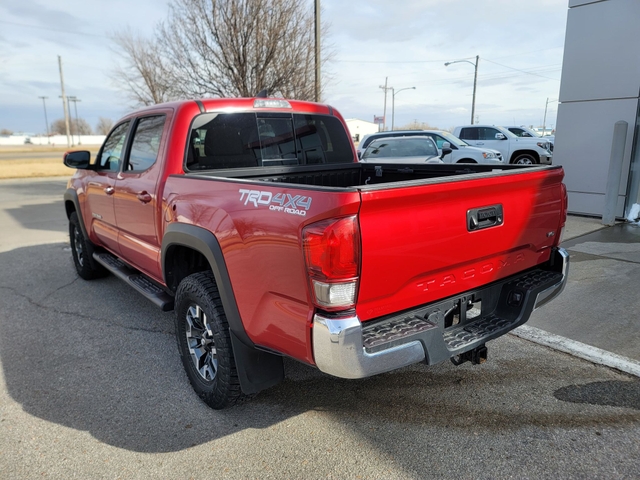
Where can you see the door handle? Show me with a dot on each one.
(480, 143)
(109, 190)
(144, 197)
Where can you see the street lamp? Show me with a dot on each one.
(393, 102)
(475, 81)
(46, 121)
(544, 122)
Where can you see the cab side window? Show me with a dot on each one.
(487, 133)
(109, 157)
(146, 143)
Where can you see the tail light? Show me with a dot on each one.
(332, 255)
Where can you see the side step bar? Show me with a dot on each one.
(137, 280)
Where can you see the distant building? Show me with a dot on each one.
(359, 128)
(600, 86)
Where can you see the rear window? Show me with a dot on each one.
(244, 140)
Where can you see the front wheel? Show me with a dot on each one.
(204, 343)
(82, 252)
(525, 159)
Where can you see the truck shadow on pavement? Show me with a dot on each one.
(97, 357)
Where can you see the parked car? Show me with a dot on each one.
(461, 152)
(418, 149)
(517, 150)
(523, 131)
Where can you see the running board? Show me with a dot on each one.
(137, 280)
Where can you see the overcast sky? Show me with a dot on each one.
(520, 45)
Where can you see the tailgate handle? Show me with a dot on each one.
(484, 217)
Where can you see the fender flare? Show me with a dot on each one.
(257, 369)
(70, 195)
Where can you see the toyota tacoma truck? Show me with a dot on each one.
(253, 220)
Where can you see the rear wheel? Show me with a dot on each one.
(525, 159)
(204, 343)
(82, 252)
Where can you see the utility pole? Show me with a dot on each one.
(65, 105)
(384, 113)
(318, 29)
(46, 120)
(544, 122)
(75, 101)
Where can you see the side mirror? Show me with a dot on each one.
(360, 155)
(446, 145)
(79, 159)
(445, 151)
(500, 136)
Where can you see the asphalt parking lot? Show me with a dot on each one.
(91, 386)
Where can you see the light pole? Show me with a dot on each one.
(393, 103)
(46, 120)
(75, 101)
(475, 81)
(544, 122)
(384, 112)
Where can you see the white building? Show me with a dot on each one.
(600, 86)
(359, 128)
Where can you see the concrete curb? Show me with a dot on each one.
(577, 349)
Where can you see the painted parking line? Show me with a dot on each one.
(577, 349)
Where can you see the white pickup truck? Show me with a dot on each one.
(518, 150)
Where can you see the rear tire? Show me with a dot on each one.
(204, 342)
(82, 252)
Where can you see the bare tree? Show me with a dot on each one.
(5, 131)
(104, 126)
(224, 48)
(142, 73)
(416, 125)
(79, 127)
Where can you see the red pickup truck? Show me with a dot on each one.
(254, 221)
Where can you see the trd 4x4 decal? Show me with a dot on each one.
(280, 202)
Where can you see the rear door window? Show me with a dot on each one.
(469, 133)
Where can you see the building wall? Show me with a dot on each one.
(359, 128)
(600, 86)
(55, 140)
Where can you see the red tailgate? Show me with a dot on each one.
(417, 246)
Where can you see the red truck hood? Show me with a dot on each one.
(417, 246)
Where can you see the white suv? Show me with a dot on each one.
(461, 152)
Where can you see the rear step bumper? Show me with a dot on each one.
(347, 348)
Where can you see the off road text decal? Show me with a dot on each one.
(280, 202)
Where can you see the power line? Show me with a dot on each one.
(517, 69)
(38, 27)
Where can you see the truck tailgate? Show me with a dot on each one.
(425, 243)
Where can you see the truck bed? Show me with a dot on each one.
(368, 176)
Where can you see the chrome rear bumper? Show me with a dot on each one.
(339, 346)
